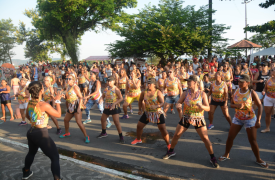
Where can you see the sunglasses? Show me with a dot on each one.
(170, 72)
(69, 79)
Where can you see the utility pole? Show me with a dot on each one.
(245, 3)
(210, 31)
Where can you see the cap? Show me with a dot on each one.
(254, 64)
(151, 81)
(244, 77)
(110, 78)
(194, 78)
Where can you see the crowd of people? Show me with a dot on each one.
(190, 88)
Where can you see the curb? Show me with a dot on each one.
(92, 166)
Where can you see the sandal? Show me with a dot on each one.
(265, 131)
(263, 164)
(222, 158)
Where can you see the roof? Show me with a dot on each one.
(244, 44)
(265, 52)
(98, 58)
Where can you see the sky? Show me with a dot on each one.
(231, 13)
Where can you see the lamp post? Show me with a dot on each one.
(245, 3)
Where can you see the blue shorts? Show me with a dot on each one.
(55, 85)
(247, 123)
(172, 99)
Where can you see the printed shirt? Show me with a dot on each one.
(47, 95)
(270, 88)
(161, 85)
(226, 75)
(247, 112)
(22, 99)
(182, 81)
(190, 108)
(211, 77)
(81, 79)
(122, 83)
(245, 71)
(218, 91)
(71, 95)
(36, 116)
(110, 97)
(132, 91)
(172, 87)
(149, 101)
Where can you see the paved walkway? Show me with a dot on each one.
(191, 161)
(12, 160)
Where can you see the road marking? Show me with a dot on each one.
(92, 166)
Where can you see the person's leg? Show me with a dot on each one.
(15, 91)
(125, 105)
(202, 131)
(22, 112)
(166, 107)
(164, 133)
(11, 111)
(140, 127)
(67, 119)
(33, 147)
(89, 105)
(55, 122)
(268, 111)
(179, 131)
(78, 117)
(226, 113)
(3, 111)
(55, 90)
(103, 122)
(234, 130)
(117, 123)
(211, 113)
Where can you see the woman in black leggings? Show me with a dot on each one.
(38, 113)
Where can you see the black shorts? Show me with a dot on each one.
(122, 91)
(215, 103)
(6, 102)
(75, 109)
(108, 112)
(84, 85)
(186, 124)
(143, 119)
(184, 90)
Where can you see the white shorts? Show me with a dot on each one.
(269, 101)
(23, 106)
(235, 86)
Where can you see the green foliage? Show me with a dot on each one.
(68, 20)
(7, 40)
(166, 31)
(269, 26)
(266, 39)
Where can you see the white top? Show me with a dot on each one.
(220, 59)
(109, 72)
(190, 73)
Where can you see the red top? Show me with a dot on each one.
(212, 64)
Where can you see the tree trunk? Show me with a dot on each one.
(70, 43)
(9, 57)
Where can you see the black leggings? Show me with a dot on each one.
(39, 138)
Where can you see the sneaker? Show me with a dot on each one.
(65, 135)
(102, 135)
(169, 154)
(125, 117)
(87, 140)
(109, 124)
(173, 112)
(214, 162)
(22, 123)
(168, 147)
(121, 140)
(136, 142)
(131, 111)
(210, 126)
(27, 175)
(87, 121)
(58, 131)
(273, 117)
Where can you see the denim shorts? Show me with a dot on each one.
(247, 123)
(172, 99)
(260, 95)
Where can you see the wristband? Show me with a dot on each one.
(57, 101)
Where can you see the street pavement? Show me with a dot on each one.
(190, 162)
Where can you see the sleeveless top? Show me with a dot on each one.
(5, 96)
(36, 116)
(92, 88)
(81, 79)
(153, 115)
(218, 91)
(260, 86)
(245, 71)
(161, 85)
(190, 73)
(149, 76)
(22, 99)
(182, 81)
(192, 114)
(132, 91)
(236, 78)
(71, 95)
(211, 77)
(47, 95)
(270, 88)
(110, 97)
(247, 112)
(122, 83)
(226, 75)
(172, 87)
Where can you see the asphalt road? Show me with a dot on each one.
(191, 160)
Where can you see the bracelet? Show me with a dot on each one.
(57, 101)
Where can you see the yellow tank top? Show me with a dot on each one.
(71, 95)
(36, 116)
(190, 108)
(149, 76)
(226, 75)
(218, 91)
(270, 91)
(172, 87)
(149, 101)
(22, 99)
(247, 112)
(47, 95)
(110, 97)
(161, 85)
(81, 79)
(211, 77)
(132, 91)
(122, 83)
(182, 81)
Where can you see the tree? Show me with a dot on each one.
(7, 39)
(269, 26)
(266, 39)
(70, 19)
(167, 31)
